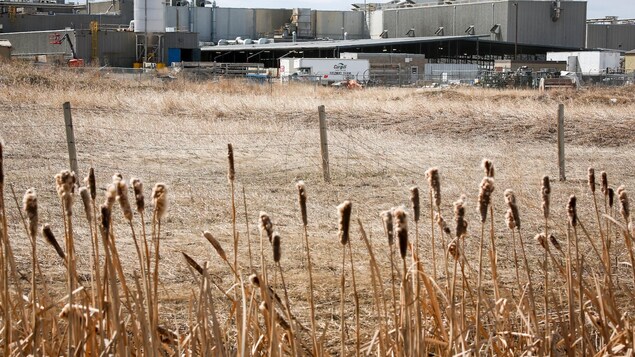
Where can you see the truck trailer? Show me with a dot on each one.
(325, 70)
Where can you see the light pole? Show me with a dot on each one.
(516, 40)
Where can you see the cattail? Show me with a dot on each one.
(160, 199)
(111, 195)
(625, 211)
(137, 186)
(509, 219)
(302, 201)
(414, 200)
(29, 205)
(611, 194)
(488, 167)
(117, 177)
(485, 196)
(592, 179)
(50, 239)
(435, 185)
(441, 223)
(85, 195)
(453, 249)
(546, 192)
(105, 217)
(510, 197)
(266, 225)
(192, 263)
(276, 247)
(124, 202)
(604, 183)
(555, 242)
(572, 211)
(1, 163)
(386, 217)
(92, 183)
(65, 182)
(401, 231)
(459, 218)
(541, 239)
(344, 210)
(219, 250)
(231, 172)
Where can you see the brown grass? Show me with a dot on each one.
(177, 132)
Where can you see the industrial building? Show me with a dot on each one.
(611, 33)
(471, 32)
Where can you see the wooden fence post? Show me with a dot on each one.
(561, 142)
(70, 137)
(324, 146)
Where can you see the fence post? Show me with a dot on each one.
(70, 137)
(561, 142)
(324, 146)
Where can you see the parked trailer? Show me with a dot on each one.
(327, 70)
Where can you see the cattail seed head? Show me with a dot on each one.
(488, 167)
(401, 230)
(572, 211)
(85, 195)
(591, 179)
(441, 223)
(541, 239)
(611, 195)
(29, 205)
(485, 196)
(276, 247)
(459, 218)
(124, 202)
(231, 172)
(435, 185)
(509, 219)
(453, 249)
(302, 200)
(510, 198)
(137, 186)
(192, 263)
(50, 239)
(604, 183)
(546, 193)
(92, 183)
(105, 218)
(65, 183)
(623, 197)
(555, 242)
(111, 195)
(414, 200)
(219, 250)
(386, 217)
(160, 199)
(266, 225)
(344, 210)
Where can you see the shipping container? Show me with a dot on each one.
(588, 63)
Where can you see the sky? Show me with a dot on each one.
(625, 9)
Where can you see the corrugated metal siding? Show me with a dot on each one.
(536, 27)
(616, 37)
(535, 24)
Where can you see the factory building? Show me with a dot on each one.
(119, 33)
(611, 33)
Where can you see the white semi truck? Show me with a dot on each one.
(325, 70)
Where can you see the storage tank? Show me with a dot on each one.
(149, 16)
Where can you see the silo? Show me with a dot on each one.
(149, 16)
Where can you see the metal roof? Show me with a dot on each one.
(332, 44)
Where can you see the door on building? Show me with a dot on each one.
(414, 74)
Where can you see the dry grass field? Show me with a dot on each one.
(381, 142)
